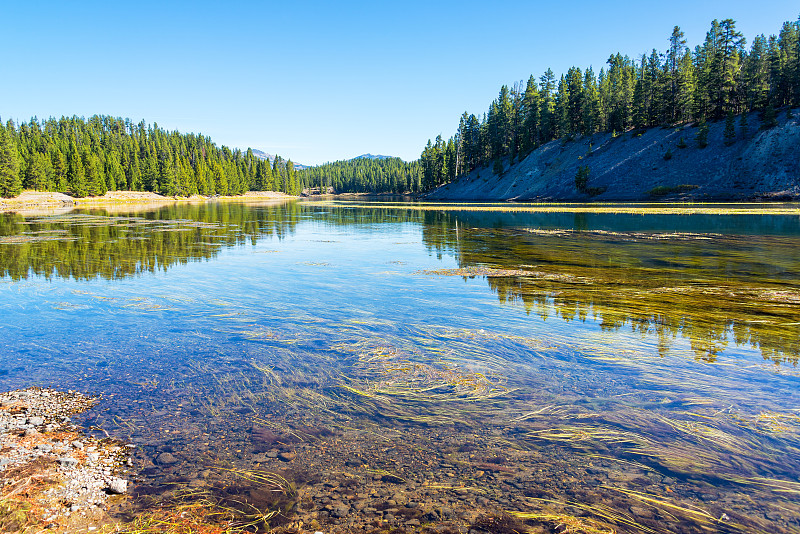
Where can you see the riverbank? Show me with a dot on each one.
(29, 201)
(52, 475)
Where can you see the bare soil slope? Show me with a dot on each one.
(759, 165)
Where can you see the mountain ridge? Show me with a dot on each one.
(260, 154)
(372, 156)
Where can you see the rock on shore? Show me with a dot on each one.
(48, 467)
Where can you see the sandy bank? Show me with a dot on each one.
(36, 202)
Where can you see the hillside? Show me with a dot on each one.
(372, 156)
(759, 165)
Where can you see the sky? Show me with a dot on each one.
(319, 81)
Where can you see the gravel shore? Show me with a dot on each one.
(52, 475)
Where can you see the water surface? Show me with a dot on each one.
(625, 368)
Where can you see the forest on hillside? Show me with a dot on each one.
(89, 157)
(718, 79)
(364, 175)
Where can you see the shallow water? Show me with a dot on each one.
(633, 369)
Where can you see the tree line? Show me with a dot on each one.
(90, 157)
(716, 80)
(364, 175)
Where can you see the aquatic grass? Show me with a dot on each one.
(567, 523)
(608, 515)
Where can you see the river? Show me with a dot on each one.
(402, 364)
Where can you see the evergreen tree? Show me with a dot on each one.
(743, 126)
(562, 110)
(167, 175)
(59, 163)
(730, 130)
(529, 136)
(76, 179)
(36, 173)
(10, 182)
(673, 68)
(591, 103)
(687, 86)
(575, 101)
(95, 181)
(729, 48)
(547, 113)
(220, 184)
(769, 119)
(150, 170)
(115, 176)
(582, 178)
(756, 74)
(786, 86)
(702, 134)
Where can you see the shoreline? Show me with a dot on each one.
(35, 200)
(52, 474)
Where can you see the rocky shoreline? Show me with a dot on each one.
(53, 475)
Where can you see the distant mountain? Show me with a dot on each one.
(260, 154)
(372, 156)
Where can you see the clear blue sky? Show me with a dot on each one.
(319, 81)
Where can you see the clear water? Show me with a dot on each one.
(632, 370)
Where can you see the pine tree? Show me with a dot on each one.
(76, 179)
(673, 66)
(591, 103)
(582, 178)
(220, 179)
(702, 134)
(562, 110)
(687, 85)
(35, 173)
(10, 183)
(789, 50)
(730, 44)
(575, 101)
(59, 162)
(167, 176)
(756, 73)
(769, 119)
(743, 126)
(95, 180)
(497, 166)
(150, 170)
(730, 130)
(547, 113)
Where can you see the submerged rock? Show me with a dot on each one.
(166, 458)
